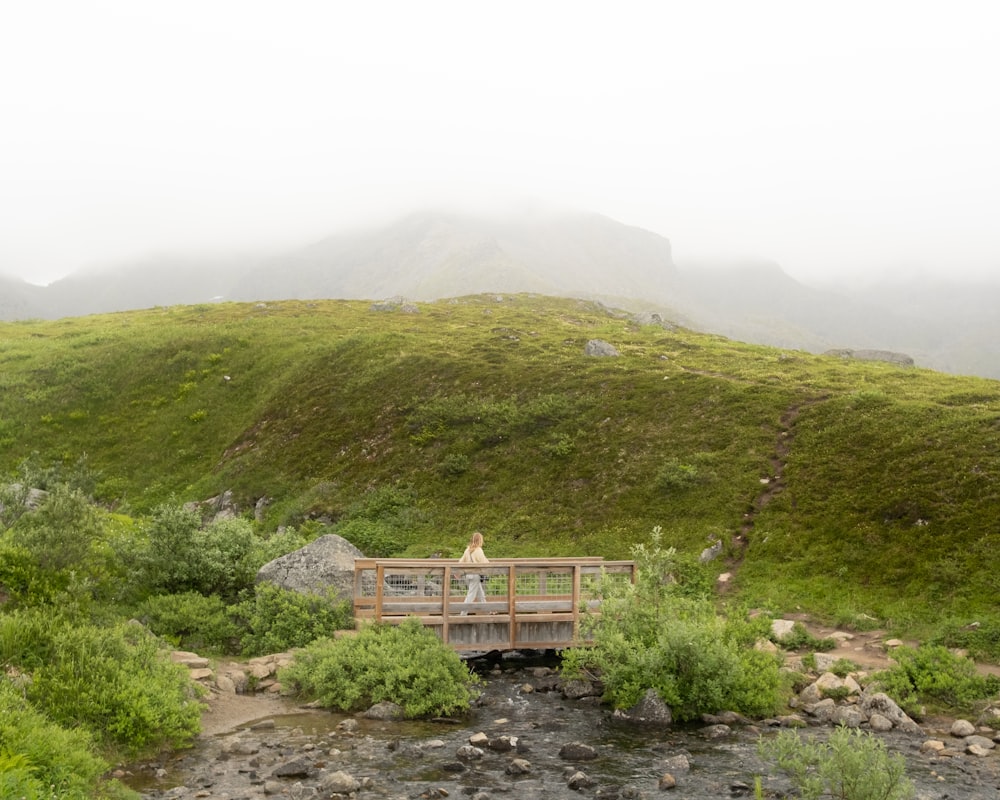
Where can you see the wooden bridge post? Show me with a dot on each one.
(512, 605)
(576, 601)
(379, 580)
(445, 597)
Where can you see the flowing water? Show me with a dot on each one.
(425, 759)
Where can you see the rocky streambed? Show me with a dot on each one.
(525, 738)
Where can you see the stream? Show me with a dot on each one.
(306, 753)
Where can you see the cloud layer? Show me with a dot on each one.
(836, 140)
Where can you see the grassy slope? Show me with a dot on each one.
(489, 412)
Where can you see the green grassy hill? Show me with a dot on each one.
(851, 490)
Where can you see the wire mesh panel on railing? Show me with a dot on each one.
(544, 581)
(492, 579)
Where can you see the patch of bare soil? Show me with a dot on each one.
(867, 649)
(226, 711)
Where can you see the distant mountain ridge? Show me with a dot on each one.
(428, 256)
(433, 255)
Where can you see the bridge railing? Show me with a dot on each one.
(531, 603)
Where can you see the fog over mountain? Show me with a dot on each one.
(432, 254)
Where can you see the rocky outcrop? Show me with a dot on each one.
(326, 563)
(899, 359)
(598, 347)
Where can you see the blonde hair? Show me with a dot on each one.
(476, 540)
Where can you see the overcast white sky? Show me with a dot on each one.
(834, 138)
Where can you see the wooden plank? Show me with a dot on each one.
(412, 607)
(535, 606)
(552, 616)
(378, 591)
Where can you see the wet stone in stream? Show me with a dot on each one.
(535, 745)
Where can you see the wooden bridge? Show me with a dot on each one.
(531, 603)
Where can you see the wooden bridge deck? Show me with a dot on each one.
(531, 603)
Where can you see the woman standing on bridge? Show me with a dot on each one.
(474, 555)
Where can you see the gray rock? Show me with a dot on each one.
(503, 744)
(715, 731)
(325, 563)
(881, 703)
(518, 766)
(679, 763)
(598, 347)
(650, 709)
(468, 752)
(385, 711)
(879, 723)
(980, 741)
(579, 780)
(711, 553)
(339, 782)
(577, 751)
(961, 728)
(848, 716)
(298, 768)
(577, 689)
(900, 359)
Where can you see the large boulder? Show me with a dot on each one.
(325, 563)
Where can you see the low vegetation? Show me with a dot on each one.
(663, 633)
(851, 765)
(931, 676)
(864, 494)
(405, 664)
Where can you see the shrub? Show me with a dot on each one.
(280, 619)
(181, 556)
(374, 538)
(191, 621)
(801, 639)
(38, 759)
(62, 533)
(115, 682)
(23, 581)
(286, 540)
(933, 674)
(674, 476)
(843, 667)
(661, 633)
(982, 641)
(454, 464)
(851, 765)
(404, 664)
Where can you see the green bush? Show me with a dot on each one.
(982, 641)
(39, 759)
(404, 664)
(281, 542)
(182, 556)
(801, 639)
(23, 581)
(374, 538)
(115, 682)
(279, 619)
(932, 674)
(191, 621)
(675, 476)
(851, 765)
(661, 634)
(62, 532)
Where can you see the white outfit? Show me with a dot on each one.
(473, 580)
